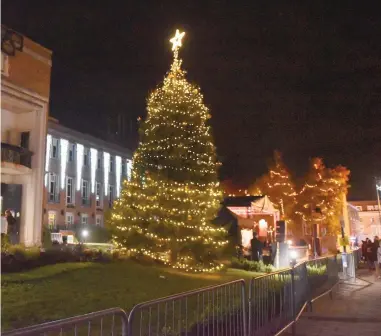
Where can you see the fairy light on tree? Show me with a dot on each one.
(277, 184)
(164, 212)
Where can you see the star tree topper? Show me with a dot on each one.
(176, 42)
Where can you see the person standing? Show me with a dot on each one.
(379, 259)
(12, 227)
(256, 248)
(368, 254)
(374, 256)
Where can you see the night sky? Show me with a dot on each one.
(304, 79)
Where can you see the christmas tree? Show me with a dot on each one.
(164, 212)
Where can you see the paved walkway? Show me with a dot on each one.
(354, 311)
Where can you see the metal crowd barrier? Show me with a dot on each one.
(215, 310)
(111, 321)
(277, 300)
(274, 304)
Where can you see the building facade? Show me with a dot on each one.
(83, 176)
(369, 223)
(25, 90)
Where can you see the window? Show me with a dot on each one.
(84, 219)
(86, 157)
(52, 219)
(359, 208)
(4, 64)
(70, 157)
(370, 207)
(99, 163)
(24, 140)
(110, 195)
(98, 220)
(53, 188)
(54, 151)
(98, 195)
(69, 219)
(111, 164)
(85, 193)
(123, 169)
(69, 190)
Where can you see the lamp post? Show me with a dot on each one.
(378, 190)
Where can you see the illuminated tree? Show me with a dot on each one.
(164, 212)
(320, 199)
(278, 186)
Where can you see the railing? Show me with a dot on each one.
(274, 304)
(109, 322)
(17, 155)
(215, 310)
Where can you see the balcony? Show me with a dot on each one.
(15, 160)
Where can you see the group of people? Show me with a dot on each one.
(371, 253)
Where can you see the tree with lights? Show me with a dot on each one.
(320, 199)
(277, 184)
(165, 211)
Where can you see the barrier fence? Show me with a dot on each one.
(215, 310)
(111, 321)
(274, 304)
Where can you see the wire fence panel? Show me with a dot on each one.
(270, 303)
(274, 303)
(216, 310)
(106, 322)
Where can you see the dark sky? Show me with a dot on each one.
(302, 78)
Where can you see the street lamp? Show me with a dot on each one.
(85, 233)
(378, 191)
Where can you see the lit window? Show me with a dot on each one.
(69, 218)
(370, 207)
(52, 219)
(69, 191)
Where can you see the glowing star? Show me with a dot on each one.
(176, 41)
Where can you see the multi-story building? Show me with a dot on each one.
(25, 90)
(83, 176)
(369, 224)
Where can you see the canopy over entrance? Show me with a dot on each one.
(253, 214)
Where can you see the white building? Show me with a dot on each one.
(369, 224)
(25, 89)
(84, 175)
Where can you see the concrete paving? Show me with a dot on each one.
(354, 311)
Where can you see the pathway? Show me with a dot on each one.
(354, 311)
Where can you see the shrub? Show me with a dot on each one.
(5, 243)
(253, 266)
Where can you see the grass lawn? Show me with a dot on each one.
(64, 290)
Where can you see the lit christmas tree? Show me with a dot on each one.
(164, 212)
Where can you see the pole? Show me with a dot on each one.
(378, 189)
